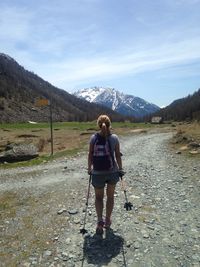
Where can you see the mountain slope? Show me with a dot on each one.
(20, 88)
(128, 105)
(187, 108)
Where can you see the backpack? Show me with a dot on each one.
(102, 156)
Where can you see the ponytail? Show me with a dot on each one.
(104, 124)
(104, 128)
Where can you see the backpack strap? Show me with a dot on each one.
(96, 138)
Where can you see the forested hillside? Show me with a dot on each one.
(20, 88)
(187, 108)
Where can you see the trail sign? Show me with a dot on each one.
(41, 102)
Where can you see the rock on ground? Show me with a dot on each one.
(43, 209)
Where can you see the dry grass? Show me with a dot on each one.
(186, 135)
(63, 139)
(190, 129)
(74, 138)
(8, 202)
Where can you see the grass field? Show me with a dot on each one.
(72, 125)
(71, 137)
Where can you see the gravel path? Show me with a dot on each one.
(43, 207)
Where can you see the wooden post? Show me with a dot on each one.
(51, 126)
(45, 102)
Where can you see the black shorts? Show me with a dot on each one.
(100, 180)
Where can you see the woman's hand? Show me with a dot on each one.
(121, 172)
(89, 171)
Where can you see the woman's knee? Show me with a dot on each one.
(99, 197)
(110, 191)
(99, 194)
(110, 198)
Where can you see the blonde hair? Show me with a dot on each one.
(104, 123)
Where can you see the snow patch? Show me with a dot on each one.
(115, 100)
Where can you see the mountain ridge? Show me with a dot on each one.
(124, 104)
(19, 88)
(186, 108)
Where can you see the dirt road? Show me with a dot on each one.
(42, 211)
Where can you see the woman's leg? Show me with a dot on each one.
(99, 194)
(110, 200)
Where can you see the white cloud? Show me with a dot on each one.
(71, 72)
(14, 23)
(68, 43)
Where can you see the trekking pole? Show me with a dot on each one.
(83, 230)
(128, 205)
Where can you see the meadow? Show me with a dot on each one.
(71, 137)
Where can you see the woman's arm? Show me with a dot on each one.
(90, 153)
(118, 156)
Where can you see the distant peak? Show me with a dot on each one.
(116, 100)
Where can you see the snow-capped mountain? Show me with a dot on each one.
(124, 104)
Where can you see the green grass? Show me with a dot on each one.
(72, 125)
(42, 159)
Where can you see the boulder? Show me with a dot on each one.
(19, 152)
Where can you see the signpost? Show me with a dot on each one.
(51, 127)
(41, 102)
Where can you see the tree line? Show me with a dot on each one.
(187, 108)
(20, 88)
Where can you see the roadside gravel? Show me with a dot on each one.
(43, 207)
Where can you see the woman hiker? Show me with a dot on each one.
(104, 166)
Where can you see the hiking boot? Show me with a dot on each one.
(107, 223)
(99, 229)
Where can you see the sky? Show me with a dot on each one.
(149, 49)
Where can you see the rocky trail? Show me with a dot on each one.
(43, 207)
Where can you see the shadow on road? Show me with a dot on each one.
(100, 251)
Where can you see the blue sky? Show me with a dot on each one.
(150, 49)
